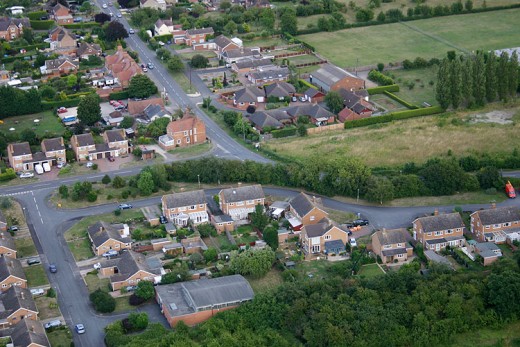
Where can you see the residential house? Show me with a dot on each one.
(247, 65)
(86, 49)
(279, 90)
(224, 44)
(317, 114)
(239, 202)
(17, 305)
(5, 76)
(54, 149)
(222, 223)
(193, 302)
(181, 208)
(323, 237)
(61, 14)
(153, 112)
(131, 268)
(346, 115)
(136, 108)
(155, 4)
(12, 28)
(7, 246)
(262, 120)
(20, 156)
(233, 55)
(116, 140)
(305, 210)
(86, 149)
(122, 66)
(269, 75)
(495, 224)
(330, 77)
(105, 237)
(187, 131)
(489, 252)
(62, 41)
(392, 245)
(114, 118)
(281, 116)
(355, 103)
(248, 96)
(58, 67)
(3, 222)
(11, 274)
(439, 231)
(165, 27)
(195, 38)
(27, 332)
(314, 96)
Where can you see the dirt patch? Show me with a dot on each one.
(498, 117)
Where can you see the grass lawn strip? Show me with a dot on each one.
(370, 270)
(270, 281)
(35, 275)
(60, 337)
(47, 307)
(191, 151)
(48, 123)
(81, 249)
(25, 247)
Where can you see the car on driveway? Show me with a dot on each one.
(163, 220)
(37, 291)
(97, 266)
(61, 165)
(111, 159)
(353, 242)
(52, 324)
(62, 110)
(125, 206)
(80, 328)
(90, 164)
(111, 253)
(27, 175)
(13, 228)
(131, 288)
(52, 268)
(360, 222)
(33, 261)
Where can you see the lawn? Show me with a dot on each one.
(310, 21)
(36, 276)
(80, 248)
(47, 307)
(247, 228)
(506, 335)
(381, 100)
(303, 59)
(416, 139)
(397, 42)
(270, 281)
(370, 270)
(48, 124)
(25, 247)
(315, 268)
(422, 90)
(265, 42)
(94, 282)
(340, 216)
(60, 337)
(189, 55)
(183, 82)
(190, 151)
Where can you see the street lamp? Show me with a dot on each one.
(198, 179)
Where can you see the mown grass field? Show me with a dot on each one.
(48, 123)
(397, 42)
(414, 140)
(422, 90)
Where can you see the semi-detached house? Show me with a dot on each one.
(105, 237)
(305, 210)
(496, 225)
(11, 274)
(239, 202)
(17, 305)
(439, 231)
(181, 208)
(392, 245)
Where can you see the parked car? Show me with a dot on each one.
(110, 253)
(303, 99)
(119, 108)
(111, 159)
(80, 328)
(163, 220)
(61, 165)
(145, 69)
(353, 242)
(33, 261)
(105, 6)
(294, 99)
(52, 268)
(27, 174)
(150, 65)
(97, 266)
(113, 103)
(360, 222)
(90, 164)
(52, 324)
(131, 31)
(125, 206)
(119, 15)
(62, 110)
(37, 291)
(13, 228)
(109, 4)
(131, 288)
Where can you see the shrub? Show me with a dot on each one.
(36, 15)
(51, 105)
(380, 78)
(284, 132)
(138, 321)
(134, 300)
(118, 95)
(427, 111)
(106, 179)
(117, 212)
(206, 230)
(145, 290)
(382, 89)
(8, 175)
(42, 24)
(102, 301)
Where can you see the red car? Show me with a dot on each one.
(113, 102)
(62, 110)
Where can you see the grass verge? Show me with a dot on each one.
(190, 151)
(25, 247)
(47, 307)
(81, 249)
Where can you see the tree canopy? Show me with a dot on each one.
(115, 31)
(141, 86)
(253, 262)
(89, 111)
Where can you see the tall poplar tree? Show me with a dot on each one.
(442, 89)
(479, 80)
(455, 83)
(467, 80)
(491, 77)
(502, 77)
(513, 74)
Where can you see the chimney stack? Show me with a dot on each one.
(436, 212)
(2, 235)
(22, 295)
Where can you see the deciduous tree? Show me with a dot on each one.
(115, 31)
(145, 183)
(141, 87)
(89, 111)
(334, 101)
(175, 64)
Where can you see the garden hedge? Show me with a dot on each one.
(284, 132)
(42, 24)
(36, 15)
(164, 38)
(118, 95)
(427, 111)
(51, 105)
(78, 95)
(382, 89)
(17, 57)
(399, 100)
(305, 83)
(8, 175)
(82, 25)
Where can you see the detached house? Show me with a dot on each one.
(137, 108)
(155, 4)
(12, 28)
(86, 49)
(58, 67)
(241, 201)
(317, 114)
(153, 112)
(11, 274)
(224, 44)
(279, 90)
(248, 96)
(269, 74)
(180, 208)
(105, 237)
(392, 245)
(356, 106)
(330, 77)
(61, 15)
(7, 246)
(18, 305)
(62, 41)
(190, 130)
(261, 120)
(195, 38)
(305, 210)
(116, 141)
(496, 224)
(122, 66)
(165, 27)
(54, 149)
(439, 231)
(323, 237)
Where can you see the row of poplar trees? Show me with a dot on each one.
(477, 79)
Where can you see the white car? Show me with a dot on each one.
(90, 164)
(119, 15)
(97, 266)
(145, 69)
(353, 242)
(105, 6)
(52, 324)
(27, 174)
(37, 291)
(61, 165)
(131, 31)
(80, 328)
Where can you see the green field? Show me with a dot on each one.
(397, 42)
(505, 335)
(48, 124)
(421, 91)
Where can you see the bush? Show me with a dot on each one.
(106, 179)
(36, 15)
(118, 95)
(42, 24)
(91, 196)
(380, 78)
(117, 212)
(145, 290)
(427, 111)
(134, 300)
(206, 230)
(102, 301)
(284, 132)
(8, 175)
(138, 321)
(382, 89)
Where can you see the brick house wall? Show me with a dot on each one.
(20, 314)
(227, 208)
(13, 32)
(109, 245)
(349, 83)
(4, 251)
(12, 281)
(423, 236)
(194, 318)
(133, 280)
(478, 229)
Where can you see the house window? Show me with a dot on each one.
(192, 207)
(487, 227)
(313, 218)
(187, 140)
(429, 234)
(179, 141)
(4, 285)
(387, 246)
(249, 202)
(449, 232)
(258, 200)
(400, 245)
(328, 237)
(201, 205)
(400, 255)
(438, 233)
(496, 226)
(186, 133)
(506, 224)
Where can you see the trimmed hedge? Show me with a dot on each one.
(118, 95)
(51, 105)
(382, 89)
(283, 132)
(8, 175)
(82, 25)
(380, 78)
(399, 100)
(36, 15)
(18, 57)
(305, 83)
(77, 95)
(42, 24)
(34, 47)
(427, 111)
(164, 38)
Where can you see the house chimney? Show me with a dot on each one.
(31, 328)
(2, 236)
(22, 294)
(436, 212)
(314, 199)
(493, 206)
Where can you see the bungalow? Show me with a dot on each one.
(17, 305)
(11, 274)
(61, 15)
(247, 65)
(12, 28)
(279, 90)
(7, 246)
(28, 333)
(248, 96)
(281, 116)
(261, 120)
(493, 225)
(180, 208)
(188, 131)
(86, 49)
(356, 103)
(155, 4)
(116, 140)
(489, 252)
(105, 237)
(113, 118)
(269, 75)
(193, 302)
(392, 245)
(439, 231)
(241, 201)
(153, 112)
(60, 66)
(224, 44)
(233, 55)
(313, 96)
(305, 210)
(317, 114)
(136, 108)
(323, 237)
(54, 149)
(330, 77)
(130, 269)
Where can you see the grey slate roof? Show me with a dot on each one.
(29, 331)
(314, 111)
(253, 63)
(192, 296)
(349, 98)
(279, 115)
(84, 140)
(167, 22)
(6, 240)
(196, 197)
(388, 237)
(54, 144)
(56, 63)
(115, 135)
(86, 48)
(441, 222)
(14, 299)
(240, 53)
(333, 246)
(129, 263)
(499, 215)
(279, 89)
(318, 229)
(6, 22)
(330, 74)
(100, 232)
(200, 31)
(21, 148)
(154, 110)
(262, 119)
(10, 267)
(101, 147)
(243, 193)
(248, 94)
(222, 41)
(302, 204)
(311, 92)
(271, 74)
(393, 251)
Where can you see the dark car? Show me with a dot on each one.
(163, 220)
(360, 222)
(13, 228)
(52, 268)
(33, 261)
(111, 159)
(125, 206)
